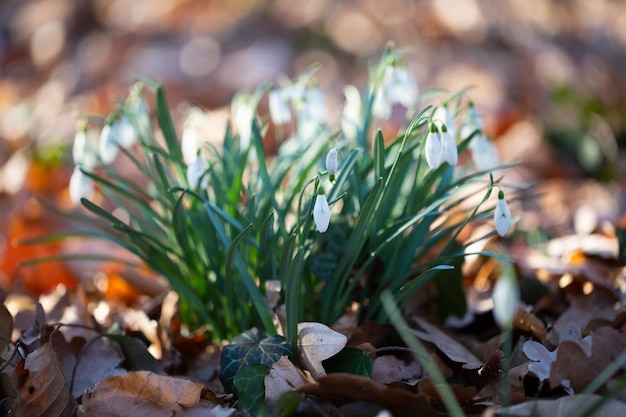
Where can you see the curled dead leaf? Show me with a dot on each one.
(317, 342)
(345, 388)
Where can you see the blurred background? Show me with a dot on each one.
(549, 77)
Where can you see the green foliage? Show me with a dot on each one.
(137, 357)
(250, 348)
(350, 360)
(244, 219)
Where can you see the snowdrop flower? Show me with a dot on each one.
(505, 296)
(321, 212)
(243, 109)
(502, 215)
(312, 112)
(471, 121)
(81, 186)
(137, 110)
(83, 150)
(446, 117)
(398, 87)
(190, 139)
(126, 134)
(108, 146)
(484, 153)
(279, 106)
(331, 164)
(401, 86)
(433, 148)
(351, 115)
(195, 172)
(449, 152)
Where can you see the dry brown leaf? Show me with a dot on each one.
(388, 369)
(317, 342)
(343, 388)
(41, 387)
(564, 407)
(140, 394)
(450, 347)
(99, 359)
(528, 322)
(283, 377)
(574, 369)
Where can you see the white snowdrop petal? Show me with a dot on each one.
(108, 147)
(505, 297)
(449, 151)
(279, 107)
(195, 170)
(126, 134)
(502, 217)
(433, 150)
(351, 116)
(321, 213)
(81, 186)
(484, 153)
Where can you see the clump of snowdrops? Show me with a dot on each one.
(333, 217)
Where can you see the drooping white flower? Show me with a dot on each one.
(311, 113)
(190, 138)
(243, 108)
(81, 186)
(137, 110)
(83, 151)
(433, 148)
(449, 151)
(400, 85)
(321, 212)
(279, 106)
(484, 152)
(195, 172)
(502, 215)
(126, 133)
(505, 295)
(471, 121)
(351, 115)
(108, 146)
(331, 164)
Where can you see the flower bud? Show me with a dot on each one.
(331, 164)
(502, 215)
(321, 212)
(83, 151)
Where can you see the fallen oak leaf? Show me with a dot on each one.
(142, 393)
(41, 388)
(317, 342)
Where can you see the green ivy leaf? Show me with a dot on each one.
(350, 360)
(287, 404)
(251, 347)
(250, 385)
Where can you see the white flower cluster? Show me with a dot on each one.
(117, 132)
